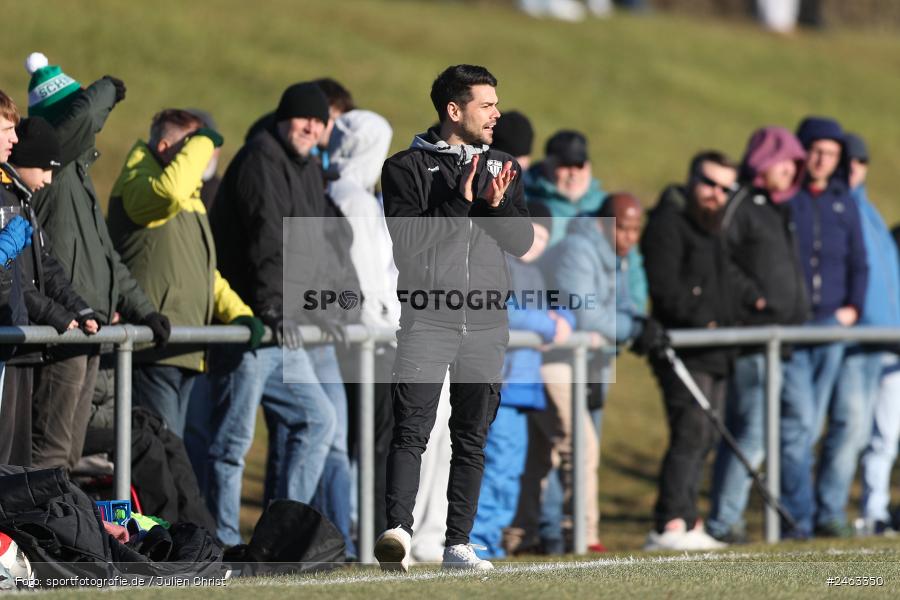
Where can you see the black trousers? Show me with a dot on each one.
(15, 416)
(691, 437)
(424, 354)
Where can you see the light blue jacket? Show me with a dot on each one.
(882, 305)
(584, 266)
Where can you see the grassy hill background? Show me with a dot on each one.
(648, 92)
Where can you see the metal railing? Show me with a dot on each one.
(124, 337)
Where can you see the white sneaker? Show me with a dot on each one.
(671, 538)
(564, 10)
(698, 539)
(392, 550)
(462, 556)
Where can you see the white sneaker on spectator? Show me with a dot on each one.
(672, 537)
(462, 556)
(564, 10)
(392, 550)
(698, 539)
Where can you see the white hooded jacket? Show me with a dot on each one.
(358, 147)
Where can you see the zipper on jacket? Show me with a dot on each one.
(465, 299)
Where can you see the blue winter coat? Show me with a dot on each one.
(882, 305)
(522, 384)
(837, 274)
(584, 266)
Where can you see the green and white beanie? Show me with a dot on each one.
(48, 86)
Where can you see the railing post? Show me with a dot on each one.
(122, 475)
(367, 450)
(773, 437)
(579, 410)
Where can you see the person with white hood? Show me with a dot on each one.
(357, 148)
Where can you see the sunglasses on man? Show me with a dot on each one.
(705, 180)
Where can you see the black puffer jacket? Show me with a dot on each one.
(52, 301)
(760, 240)
(458, 245)
(59, 528)
(693, 283)
(265, 182)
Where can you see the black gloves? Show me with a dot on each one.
(652, 341)
(85, 316)
(212, 134)
(161, 327)
(119, 85)
(256, 327)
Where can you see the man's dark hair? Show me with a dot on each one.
(455, 85)
(711, 156)
(172, 118)
(338, 96)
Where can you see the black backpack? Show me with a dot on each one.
(290, 537)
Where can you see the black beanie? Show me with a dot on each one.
(303, 100)
(513, 134)
(38, 145)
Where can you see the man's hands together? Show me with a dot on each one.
(499, 184)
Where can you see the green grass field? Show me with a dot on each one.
(648, 91)
(795, 571)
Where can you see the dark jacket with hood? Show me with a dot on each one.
(69, 211)
(830, 240)
(760, 235)
(692, 281)
(46, 291)
(265, 182)
(458, 245)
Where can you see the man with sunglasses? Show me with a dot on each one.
(692, 285)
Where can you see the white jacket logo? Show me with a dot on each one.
(494, 166)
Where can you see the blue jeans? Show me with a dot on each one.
(303, 409)
(745, 410)
(332, 497)
(808, 381)
(849, 419)
(881, 451)
(165, 390)
(197, 428)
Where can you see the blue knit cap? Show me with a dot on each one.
(819, 128)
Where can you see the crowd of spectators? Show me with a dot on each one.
(785, 236)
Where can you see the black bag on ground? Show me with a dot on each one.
(160, 470)
(290, 537)
(60, 531)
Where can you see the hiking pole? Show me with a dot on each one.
(685, 376)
